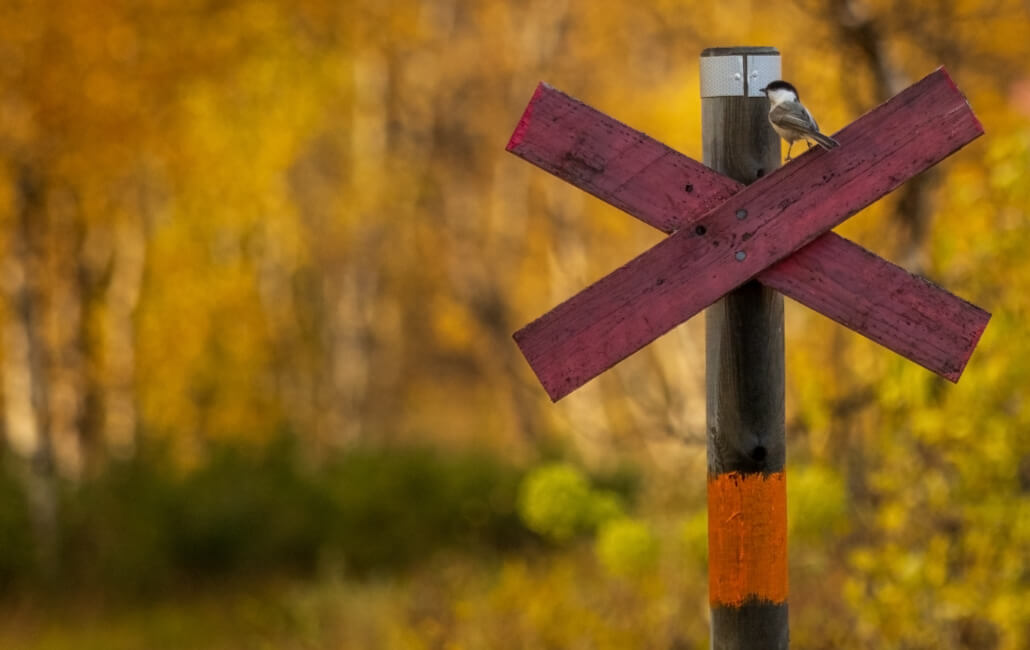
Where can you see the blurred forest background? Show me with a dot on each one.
(260, 262)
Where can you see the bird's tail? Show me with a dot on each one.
(825, 141)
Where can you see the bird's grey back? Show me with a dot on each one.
(793, 114)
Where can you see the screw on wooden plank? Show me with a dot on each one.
(744, 371)
(725, 236)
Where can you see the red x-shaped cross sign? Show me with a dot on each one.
(775, 230)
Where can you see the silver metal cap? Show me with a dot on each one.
(738, 72)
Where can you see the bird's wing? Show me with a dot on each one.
(793, 115)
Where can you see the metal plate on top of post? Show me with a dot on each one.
(760, 70)
(738, 71)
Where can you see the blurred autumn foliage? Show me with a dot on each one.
(258, 258)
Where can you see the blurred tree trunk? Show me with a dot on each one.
(860, 30)
(25, 381)
(127, 261)
(324, 354)
(64, 290)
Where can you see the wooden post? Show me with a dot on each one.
(747, 519)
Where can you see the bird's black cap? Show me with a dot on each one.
(779, 84)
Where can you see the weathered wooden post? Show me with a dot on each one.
(747, 494)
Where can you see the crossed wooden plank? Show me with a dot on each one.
(724, 234)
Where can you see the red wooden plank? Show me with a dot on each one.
(784, 211)
(616, 163)
(904, 312)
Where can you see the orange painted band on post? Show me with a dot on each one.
(747, 538)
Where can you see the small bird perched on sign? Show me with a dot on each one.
(791, 119)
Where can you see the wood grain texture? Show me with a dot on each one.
(745, 381)
(901, 311)
(616, 163)
(786, 210)
(744, 347)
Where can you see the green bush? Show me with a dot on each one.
(817, 503)
(694, 538)
(17, 559)
(558, 502)
(139, 527)
(393, 508)
(627, 547)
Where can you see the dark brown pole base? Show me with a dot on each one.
(754, 625)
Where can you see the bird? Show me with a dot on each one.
(791, 119)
